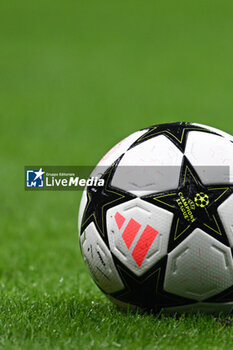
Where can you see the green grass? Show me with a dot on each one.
(66, 321)
(75, 78)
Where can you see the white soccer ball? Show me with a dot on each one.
(159, 233)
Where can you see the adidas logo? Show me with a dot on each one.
(144, 242)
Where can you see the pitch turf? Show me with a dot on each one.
(75, 78)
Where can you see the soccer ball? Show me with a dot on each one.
(159, 232)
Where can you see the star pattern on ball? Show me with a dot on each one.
(194, 205)
(175, 132)
(100, 199)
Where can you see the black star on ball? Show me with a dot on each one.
(100, 199)
(194, 206)
(175, 132)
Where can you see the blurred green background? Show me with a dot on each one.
(75, 78)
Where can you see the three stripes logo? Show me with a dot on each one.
(144, 242)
